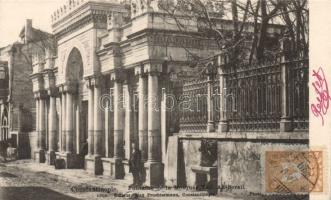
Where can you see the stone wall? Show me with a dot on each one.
(190, 157)
(241, 163)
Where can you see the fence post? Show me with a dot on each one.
(223, 125)
(210, 122)
(286, 116)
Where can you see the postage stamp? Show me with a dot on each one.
(294, 171)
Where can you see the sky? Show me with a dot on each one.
(13, 14)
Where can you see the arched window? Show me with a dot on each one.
(4, 126)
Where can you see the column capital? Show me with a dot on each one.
(49, 78)
(93, 81)
(53, 91)
(70, 87)
(154, 68)
(139, 70)
(41, 94)
(118, 75)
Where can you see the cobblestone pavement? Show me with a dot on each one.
(27, 180)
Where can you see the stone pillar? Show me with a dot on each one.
(128, 121)
(37, 152)
(63, 115)
(70, 157)
(69, 124)
(154, 166)
(98, 145)
(98, 151)
(90, 120)
(37, 118)
(223, 125)
(40, 156)
(286, 118)
(52, 124)
(117, 165)
(143, 114)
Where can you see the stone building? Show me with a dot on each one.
(110, 79)
(17, 107)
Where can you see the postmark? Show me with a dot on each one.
(289, 172)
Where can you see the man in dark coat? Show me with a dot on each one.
(84, 149)
(3, 149)
(135, 165)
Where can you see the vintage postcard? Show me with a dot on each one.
(165, 99)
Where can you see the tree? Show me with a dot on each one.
(290, 16)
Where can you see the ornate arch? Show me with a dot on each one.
(74, 70)
(77, 46)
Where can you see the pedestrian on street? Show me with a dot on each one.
(84, 149)
(135, 166)
(11, 152)
(3, 149)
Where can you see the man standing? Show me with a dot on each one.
(135, 166)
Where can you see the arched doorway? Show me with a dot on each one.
(74, 75)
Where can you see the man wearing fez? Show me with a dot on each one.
(135, 166)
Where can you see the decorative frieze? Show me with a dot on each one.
(176, 41)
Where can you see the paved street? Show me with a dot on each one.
(27, 180)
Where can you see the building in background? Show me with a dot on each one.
(17, 106)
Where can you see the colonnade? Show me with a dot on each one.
(61, 142)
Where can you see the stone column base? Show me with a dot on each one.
(50, 157)
(72, 161)
(39, 156)
(106, 166)
(154, 174)
(117, 168)
(223, 127)
(286, 125)
(93, 165)
(210, 127)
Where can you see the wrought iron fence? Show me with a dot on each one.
(193, 106)
(300, 91)
(255, 93)
(251, 98)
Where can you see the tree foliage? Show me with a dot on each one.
(249, 38)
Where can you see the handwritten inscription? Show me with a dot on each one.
(320, 85)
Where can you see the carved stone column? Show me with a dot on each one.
(98, 150)
(63, 116)
(154, 166)
(90, 118)
(69, 155)
(117, 166)
(70, 123)
(37, 118)
(143, 113)
(52, 130)
(93, 162)
(40, 156)
(98, 139)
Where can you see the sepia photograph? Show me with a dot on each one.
(163, 99)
